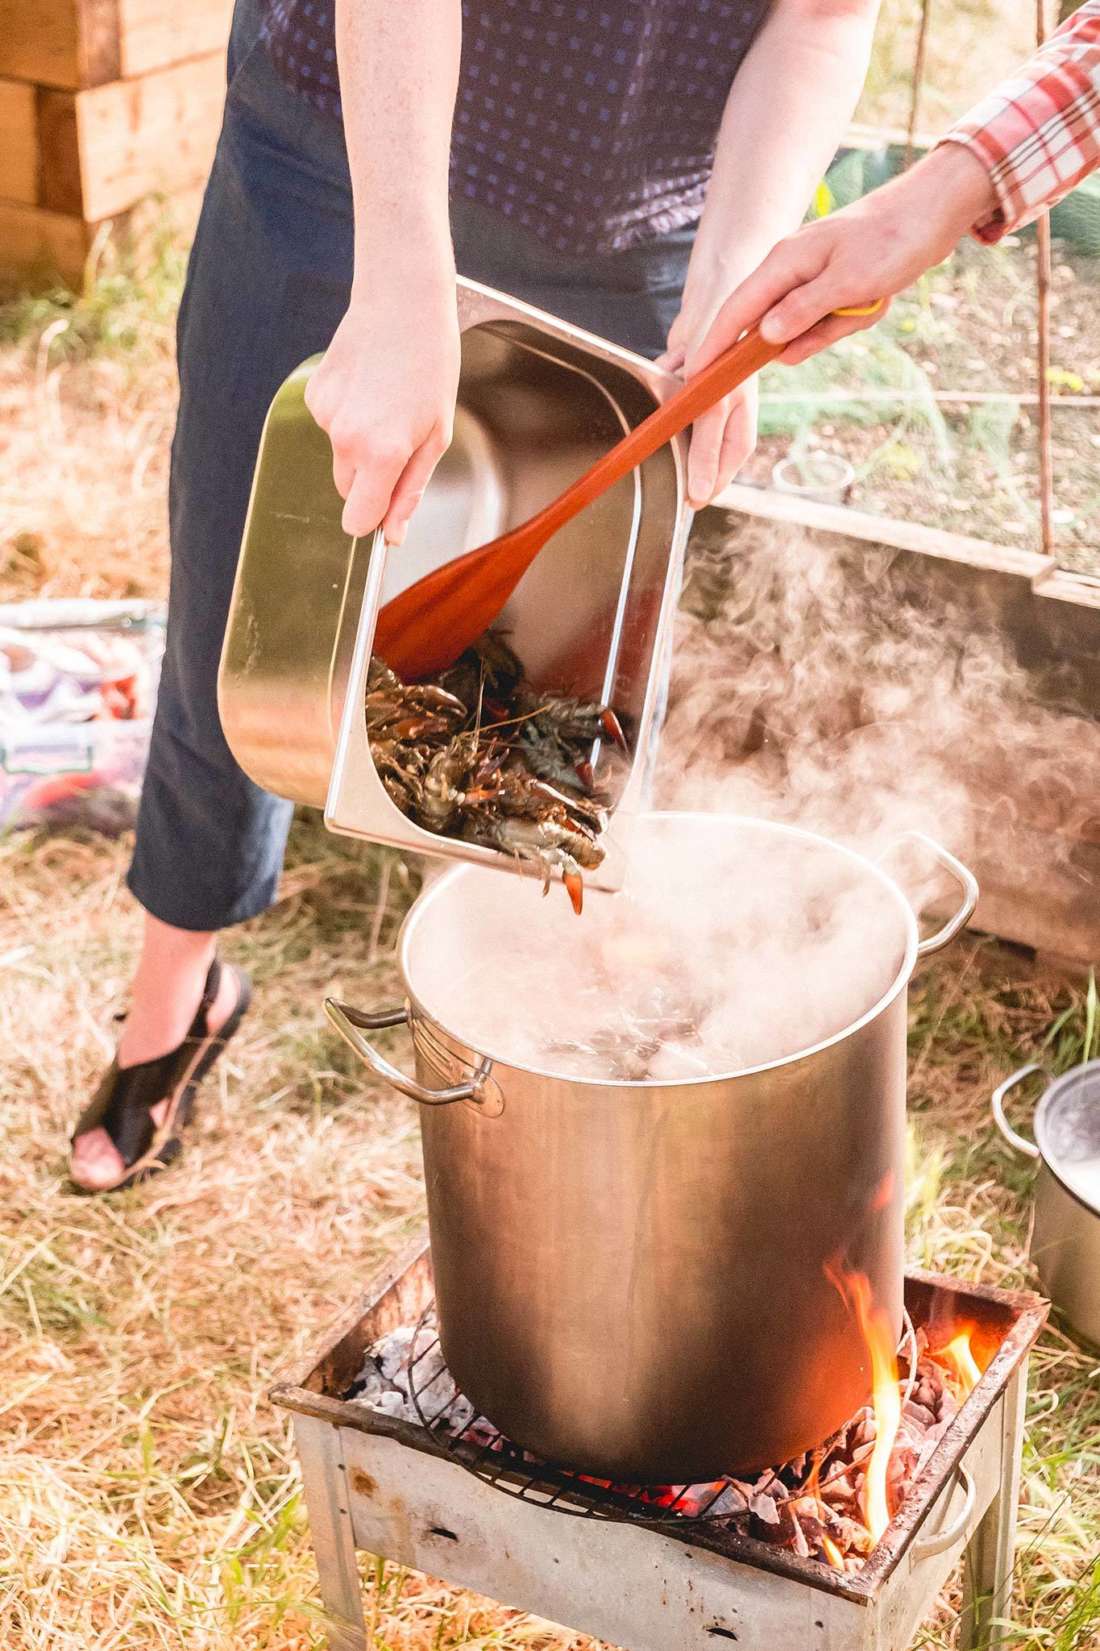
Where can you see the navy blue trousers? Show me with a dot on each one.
(267, 285)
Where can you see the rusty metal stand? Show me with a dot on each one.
(988, 1559)
(324, 1475)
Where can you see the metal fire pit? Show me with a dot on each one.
(394, 1488)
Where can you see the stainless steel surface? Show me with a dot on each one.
(480, 1091)
(380, 1484)
(1065, 1233)
(632, 1277)
(538, 401)
(967, 883)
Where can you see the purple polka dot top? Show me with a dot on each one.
(591, 125)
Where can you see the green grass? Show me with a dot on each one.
(127, 303)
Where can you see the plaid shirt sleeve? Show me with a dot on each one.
(1038, 133)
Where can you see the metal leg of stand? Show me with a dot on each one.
(988, 1561)
(324, 1477)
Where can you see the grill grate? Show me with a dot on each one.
(473, 1441)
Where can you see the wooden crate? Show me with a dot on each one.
(102, 104)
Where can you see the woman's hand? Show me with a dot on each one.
(722, 439)
(867, 251)
(385, 394)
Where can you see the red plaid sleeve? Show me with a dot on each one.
(1038, 133)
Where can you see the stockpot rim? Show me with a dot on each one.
(1048, 1159)
(436, 891)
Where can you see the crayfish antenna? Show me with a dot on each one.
(613, 728)
(574, 883)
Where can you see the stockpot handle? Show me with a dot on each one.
(962, 875)
(1019, 1142)
(348, 1022)
(938, 1541)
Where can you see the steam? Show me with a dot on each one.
(827, 687)
(814, 687)
(731, 946)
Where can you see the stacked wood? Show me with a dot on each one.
(103, 103)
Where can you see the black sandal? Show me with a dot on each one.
(123, 1103)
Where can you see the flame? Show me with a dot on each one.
(832, 1553)
(878, 1335)
(958, 1356)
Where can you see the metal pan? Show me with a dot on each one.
(539, 400)
(1065, 1234)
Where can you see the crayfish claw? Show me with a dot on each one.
(574, 883)
(613, 728)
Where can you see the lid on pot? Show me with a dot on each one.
(735, 944)
(1067, 1129)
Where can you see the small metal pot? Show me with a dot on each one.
(638, 1279)
(1065, 1233)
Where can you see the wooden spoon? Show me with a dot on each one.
(426, 627)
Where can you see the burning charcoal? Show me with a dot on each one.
(840, 1489)
(794, 1535)
(852, 1536)
(919, 1414)
(391, 1353)
(393, 1403)
(863, 1433)
(928, 1391)
(764, 1509)
(733, 1499)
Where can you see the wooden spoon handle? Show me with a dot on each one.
(697, 396)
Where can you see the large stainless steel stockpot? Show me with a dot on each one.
(1065, 1232)
(638, 1279)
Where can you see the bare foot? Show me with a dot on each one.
(96, 1163)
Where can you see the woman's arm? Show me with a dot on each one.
(786, 113)
(385, 391)
(1023, 148)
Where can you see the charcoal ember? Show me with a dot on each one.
(920, 1414)
(368, 1385)
(928, 1444)
(790, 1531)
(729, 1502)
(851, 1536)
(863, 1430)
(765, 1513)
(391, 1402)
(396, 1382)
(392, 1353)
(841, 1488)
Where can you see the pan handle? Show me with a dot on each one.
(348, 1022)
(936, 1542)
(962, 875)
(1019, 1142)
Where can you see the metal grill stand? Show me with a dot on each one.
(393, 1488)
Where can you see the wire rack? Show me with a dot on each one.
(472, 1440)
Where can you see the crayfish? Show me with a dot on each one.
(480, 754)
